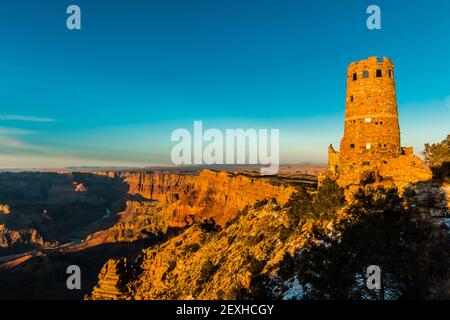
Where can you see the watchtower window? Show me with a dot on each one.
(368, 146)
(352, 146)
(355, 77)
(351, 98)
(379, 74)
(365, 74)
(390, 73)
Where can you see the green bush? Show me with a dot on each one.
(437, 156)
(302, 205)
(412, 253)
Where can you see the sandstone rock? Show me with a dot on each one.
(433, 199)
(111, 281)
(204, 264)
(4, 209)
(79, 187)
(26, 239)
(161, 201)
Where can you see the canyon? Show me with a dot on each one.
(85, 218)
(160, 235)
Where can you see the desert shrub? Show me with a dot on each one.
(192, 248)
(367, 177)
(302, 205)
(330, 197)
(240, 214)
(209, 225)
(254, 240)
(412, 254)
(208, 270)
(260, 203)
(230, 240)
(437, 156)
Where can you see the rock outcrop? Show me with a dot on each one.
(254, 251)
(159, 201)
(208, 194)
(79, 187)
(432, 199)
(112, 281)
(174, 200)
(206, 263)
(15, 241)
(4, 209)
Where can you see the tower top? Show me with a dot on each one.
(371, 61)
(374, 58)
(373, 70)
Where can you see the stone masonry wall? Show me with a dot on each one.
(371, 141)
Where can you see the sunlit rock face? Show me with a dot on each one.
(175, 200)
(205, 262)
(111, 284)
(79, 187)
(15, 241)
(158, 201)
(4, 209)
(209, 194)
(88, 218)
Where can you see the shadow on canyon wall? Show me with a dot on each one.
(48, 215)
(378, 222)
(60, 207)
(407, 236)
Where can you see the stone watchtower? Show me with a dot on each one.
(371, 129)
(371, 116)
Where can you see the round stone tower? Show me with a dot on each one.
(370, 151)
(371, 129)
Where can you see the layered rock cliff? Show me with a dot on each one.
(205, 202)
(157, 202)
(210, 194)
(112, 284)
(258, 253)
(12, 241)
(206, 262)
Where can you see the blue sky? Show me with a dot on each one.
(112, 93)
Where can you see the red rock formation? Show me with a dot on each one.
(161, 201)
(4, 209)
(111, 284)
(79, 187)
(209, 194)
(22, 239)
